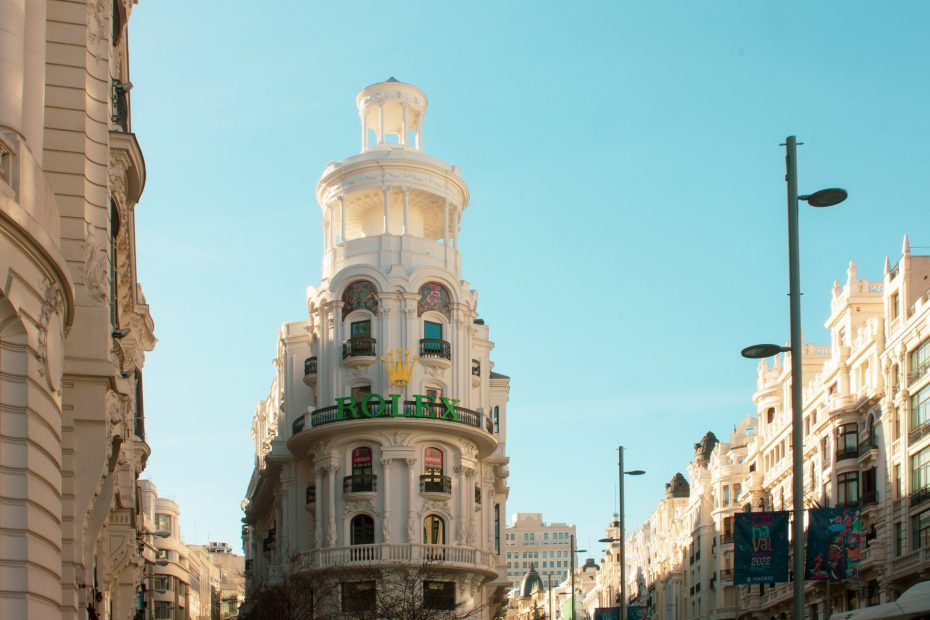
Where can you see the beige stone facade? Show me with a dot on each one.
(866, 443)
(74, 324)
(531, 542)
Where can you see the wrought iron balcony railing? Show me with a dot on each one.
(310, 366)
(432, 483)
(360, 483)
(359, 347)
(433, 347)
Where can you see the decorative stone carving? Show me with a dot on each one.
(96, 264)
(363, 505)
(50, 350)
(397, 438)
(435, 371)
(469, 449)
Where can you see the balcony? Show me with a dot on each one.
(475, 373)
(360, 485)
(310, 365)
(918, 497)
(358, 352)
(847, 452)
(918, 372)
(448, 556)
(919, 432)
(432, 484)
(383, 414)
(435, 353)
(869, 498)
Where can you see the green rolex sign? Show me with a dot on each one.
(377, 406)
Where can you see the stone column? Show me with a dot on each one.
(387, 210)
(342, 218)
(403, 124)
(412, 493)
(386, 494)
(380, 123)
(470, 507)
(460, 504)
(332, 469)
(406, 191)
(318, 507)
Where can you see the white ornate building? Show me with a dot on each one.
(382, 441)
(74, 324)
(866, 443)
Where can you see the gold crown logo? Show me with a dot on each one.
(399, 367)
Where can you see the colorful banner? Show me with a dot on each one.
(606, 613)
(761, 547)
(833, 539)
(639, 612)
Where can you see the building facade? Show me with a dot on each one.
(530, 542)
(74, 324)
(866, 444)
(382, 441)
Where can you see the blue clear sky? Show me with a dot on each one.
(627, 224)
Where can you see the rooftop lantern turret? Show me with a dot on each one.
(391, 113)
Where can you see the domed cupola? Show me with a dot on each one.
(677, 487)
(704, 448)
(532, 583)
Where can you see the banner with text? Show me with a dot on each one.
(833, 539)
(606, 613)
(761, 547)
(639, 612)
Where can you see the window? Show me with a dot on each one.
(435, 393)
(432, 331)
(496, 419)
(825, 448)
(439, 595)
(897, 423)
(434, 530)
(847, 441)
(919, 361)
(894, 305)
(360, 329)
(873, 432)
(497, 529)
(898, 538)
(432, 462)
(361, 392)
(847, 489)
(362, 478)
(161, 583)
(726, 495)
(162, 521)
(920, 470)
(164, 610)
(920, 407)
(359, 596)
(898, 482)
(362, 531)
(920, 527)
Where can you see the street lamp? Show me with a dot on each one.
(822, 198)
(622, 539)
(572, 569)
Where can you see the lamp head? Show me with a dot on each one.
(825, 197)
(635, 472)
(759, 351)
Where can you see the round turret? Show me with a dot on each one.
(392, 114)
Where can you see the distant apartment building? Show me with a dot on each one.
(866, 444)
(531, 542)
(230, 586)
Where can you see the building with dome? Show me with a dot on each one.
(381, 445)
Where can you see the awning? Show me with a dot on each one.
(915, 602)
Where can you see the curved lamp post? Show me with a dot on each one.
(622, 539)
(822, 198)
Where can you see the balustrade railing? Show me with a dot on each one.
(373, 408)
(396, 553)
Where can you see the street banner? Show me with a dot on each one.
(761, 547)
(833, 539)
(639, 612)
(606, 613)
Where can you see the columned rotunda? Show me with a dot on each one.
(381, 447)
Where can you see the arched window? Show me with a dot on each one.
(770, 415)
(434, 530)
(433, 480)
(362, 531)
(434, 296)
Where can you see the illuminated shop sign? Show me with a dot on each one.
(378, 406)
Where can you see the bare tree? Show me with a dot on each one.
(421, 592)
